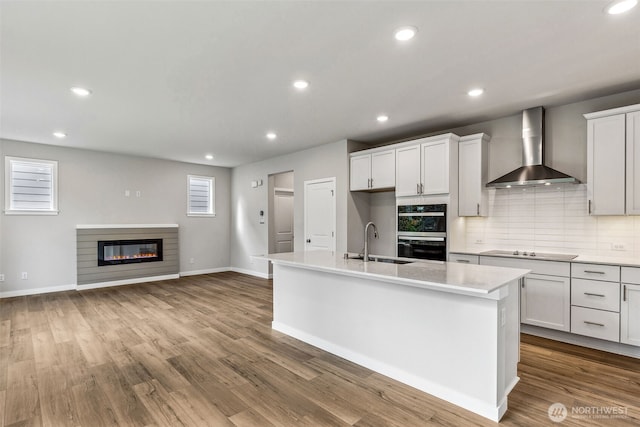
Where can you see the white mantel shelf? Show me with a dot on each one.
(448, 329)
(98, 226)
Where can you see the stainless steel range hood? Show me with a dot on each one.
(533, 171)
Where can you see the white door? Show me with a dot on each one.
(435, 167)
(320, 214)
(630, 315)
(360, 172)
(283, 220)
(470, 177)
(633, 163)
(383, 169)
(545, 301)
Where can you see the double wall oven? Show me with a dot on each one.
(422, 231)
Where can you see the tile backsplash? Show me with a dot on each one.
(551, 219)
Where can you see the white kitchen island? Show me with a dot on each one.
(450, 330)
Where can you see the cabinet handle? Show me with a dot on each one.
(589, 207)
(421, 188)
(417, 188)
(593, 323)
(594, 272)
(624, 293)
(478, 209)
(522, 282)
(594, 295)
(463, 260)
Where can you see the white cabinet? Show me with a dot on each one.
(464, 258)
(473, 157)
(545, 293)
(372, 170)
(423, 166)
(613, 157)
(630, 306)
(595, 300)
(545, 301)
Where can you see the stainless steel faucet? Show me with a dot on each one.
(366, 239)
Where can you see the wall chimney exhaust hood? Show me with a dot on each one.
(533, 171)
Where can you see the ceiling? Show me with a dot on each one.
(180, 79)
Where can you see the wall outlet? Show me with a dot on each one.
(138, 193)
(1, 277)
(127, 193)
(479, 241)
(24, 275)
(618, 247)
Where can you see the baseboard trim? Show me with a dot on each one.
(36, 291)
(126, 282)
(250, 272)
(205, 271)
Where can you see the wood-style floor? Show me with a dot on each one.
(199, 351)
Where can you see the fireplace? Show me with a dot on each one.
(112, 252)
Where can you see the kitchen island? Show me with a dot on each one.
(448, 329)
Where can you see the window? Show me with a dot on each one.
(201, 196)
(31, 186)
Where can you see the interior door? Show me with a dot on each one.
(320, 214)
(283, 220)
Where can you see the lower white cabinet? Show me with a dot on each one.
(630, 306)
(464, 258)
(601, 324)
(545, 301)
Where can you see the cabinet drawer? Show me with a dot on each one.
(551, 268)
(464, 258)
(630, 275)
(609, 273)
(595, 323)
(595, 294)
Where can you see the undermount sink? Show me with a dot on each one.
(386, 260)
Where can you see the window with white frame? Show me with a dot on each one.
(201, 195)
(31, 186)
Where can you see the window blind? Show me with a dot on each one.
(200, 195)
(32, 185)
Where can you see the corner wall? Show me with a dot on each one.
(92, 191)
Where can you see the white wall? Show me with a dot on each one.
(249, 237)
(91, 191)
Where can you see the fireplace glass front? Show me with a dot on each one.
(112, 252)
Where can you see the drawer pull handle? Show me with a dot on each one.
(594, 272)
(594, 295)
(594, 323)
(624, 293)
(462, 260)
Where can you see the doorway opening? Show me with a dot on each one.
(281, 197)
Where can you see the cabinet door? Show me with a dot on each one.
(545, 301)
(630, 315)
(407, 171)
(360, 172)
(383, 169)
(606, 165)
(435, 167)
(470, 178)
(633, 163)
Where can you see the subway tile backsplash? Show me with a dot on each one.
(551, 219)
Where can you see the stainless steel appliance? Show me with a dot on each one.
(422, 231)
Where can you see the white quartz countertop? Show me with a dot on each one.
(476, 280)
(587, 259)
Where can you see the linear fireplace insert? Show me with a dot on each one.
(111, 252)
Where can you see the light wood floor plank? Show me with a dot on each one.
(200, 351)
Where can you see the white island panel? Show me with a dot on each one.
(460, 347)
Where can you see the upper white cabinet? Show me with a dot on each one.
(373, 170)
(423, 165)
(473, 157)
(613, 157)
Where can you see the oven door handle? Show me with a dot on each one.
(427, 239)
(421, 214)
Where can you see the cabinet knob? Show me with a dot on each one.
(308, 240)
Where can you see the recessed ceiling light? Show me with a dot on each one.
(405, 33)
(621, 6)
(271, 136)
(301, 84)
(475, 92)
(382, 118)
(80, 91)
(209, 156)
(60, 134)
